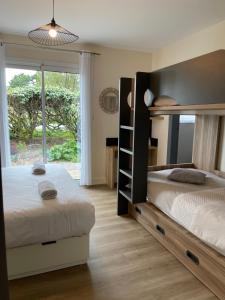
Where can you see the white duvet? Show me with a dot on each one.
(203, 214)
(198, 208)
(31, 220)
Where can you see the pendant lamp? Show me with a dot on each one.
(52, 34)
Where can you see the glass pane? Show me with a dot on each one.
(24, 113)
(185, 139)
(62, 120)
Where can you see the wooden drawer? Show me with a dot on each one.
(205, 263)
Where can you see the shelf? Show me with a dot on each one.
(128, 173)
(127, 127)
(126, 193)
(214, 109)
(134, 123)
(127, 150)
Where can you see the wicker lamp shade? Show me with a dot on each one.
(41, 35)
(52, 34)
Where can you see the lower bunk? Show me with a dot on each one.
(203, 261)
(201, 257)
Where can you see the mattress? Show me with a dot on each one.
(198, 208)
(31, 220)
(162, 192)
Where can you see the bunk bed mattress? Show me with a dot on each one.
(162, 192)
(31, 220)
(198, 208)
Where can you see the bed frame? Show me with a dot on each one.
(203, 261)
(191, 83)
(41, 258)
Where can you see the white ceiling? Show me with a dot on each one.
(133, 24)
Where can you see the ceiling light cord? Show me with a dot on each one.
(53, 8)
(53, 14)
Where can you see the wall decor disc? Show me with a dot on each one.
(109, 100)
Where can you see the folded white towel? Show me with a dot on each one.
(38, 169)
(47, 190)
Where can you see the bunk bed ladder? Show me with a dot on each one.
(133, 142)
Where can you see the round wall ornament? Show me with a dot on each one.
(109, 100)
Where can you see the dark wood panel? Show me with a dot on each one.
(133, 141)
(196, 81)
(141, 139)
(4, 293)
(173, 138)
(125, 119)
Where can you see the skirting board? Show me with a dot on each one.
(204, 262)
(36, 259)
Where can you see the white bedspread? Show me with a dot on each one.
(198, 208)
(162, 191)
(203, 214)
(31, 220)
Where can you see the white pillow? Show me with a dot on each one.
(165, 101)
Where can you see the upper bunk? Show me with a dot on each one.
(197, 85)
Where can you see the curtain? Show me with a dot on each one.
(4, 126)
(86, 92)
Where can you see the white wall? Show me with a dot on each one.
(37, 56)
(109, 67)
(205, 41)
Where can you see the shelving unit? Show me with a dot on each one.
(128, 173)
(134, 132)
(127, 150)
(127, 127)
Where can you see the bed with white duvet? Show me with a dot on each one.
(198, 208)
(32, 222)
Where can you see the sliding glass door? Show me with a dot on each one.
(43, 108)
(62, 94)
(24, 113)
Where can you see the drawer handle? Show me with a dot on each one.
(160, 229)
(138, 210)
(192, 257)
(48, 243)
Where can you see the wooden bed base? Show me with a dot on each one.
(204, 262)
(41, 258)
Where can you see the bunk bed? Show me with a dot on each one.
(198, 86)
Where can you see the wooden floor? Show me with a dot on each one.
(126, 263)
